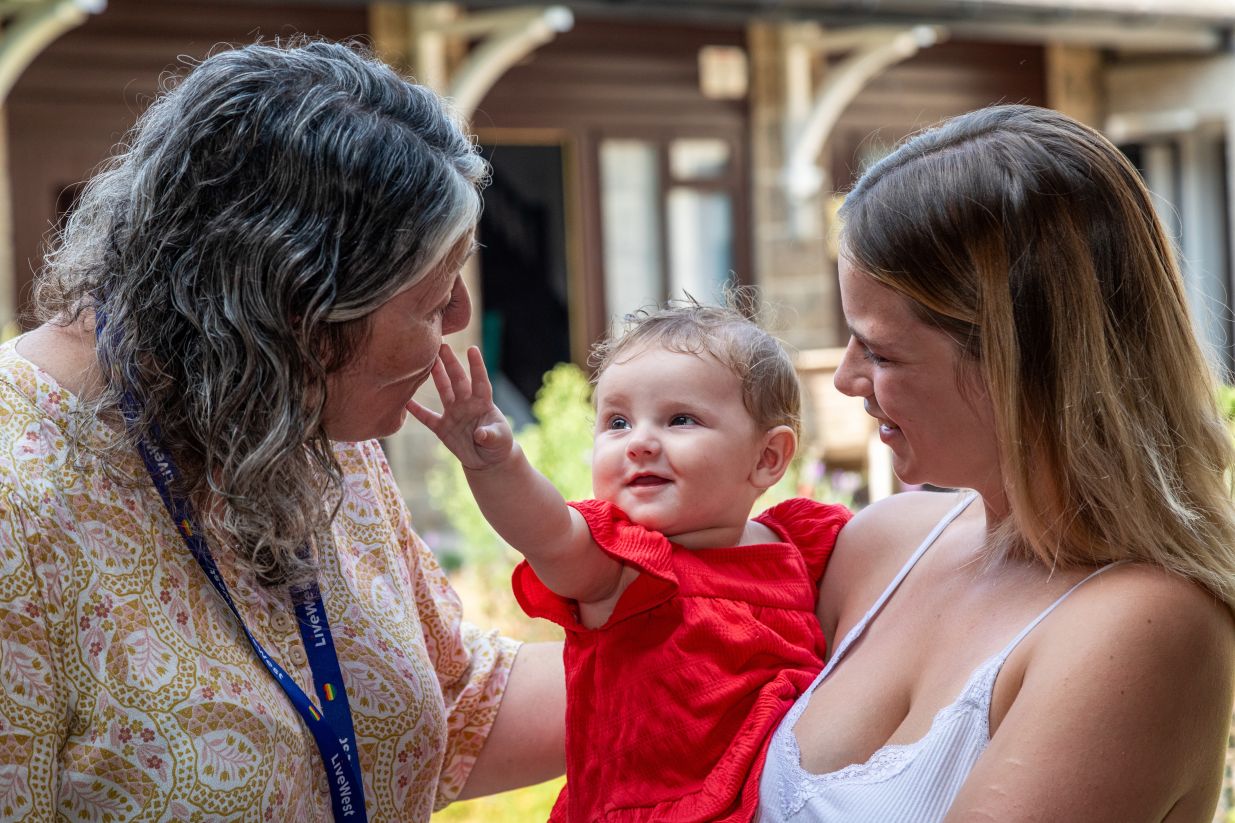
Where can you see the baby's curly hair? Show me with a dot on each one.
(770, 389)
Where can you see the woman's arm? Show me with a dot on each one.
(1121, 714)
(527, 742)
(518, 501)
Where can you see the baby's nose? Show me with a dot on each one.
(642, 443)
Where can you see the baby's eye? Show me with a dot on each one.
(682, 420)
(618, 422)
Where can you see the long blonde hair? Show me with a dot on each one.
(1031, 240)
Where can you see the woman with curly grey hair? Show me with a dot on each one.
(212, 600)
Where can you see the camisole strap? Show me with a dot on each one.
(860, 626)
(1007, 650)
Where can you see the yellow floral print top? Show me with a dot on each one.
(129, 692)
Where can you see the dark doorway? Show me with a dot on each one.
(525, 318)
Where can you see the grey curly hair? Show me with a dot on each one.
(258, 211)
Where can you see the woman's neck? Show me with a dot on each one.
(67, 353)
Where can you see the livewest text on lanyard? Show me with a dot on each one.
(332, 724)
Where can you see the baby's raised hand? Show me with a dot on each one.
(470, 425)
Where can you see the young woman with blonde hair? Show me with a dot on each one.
(1056, 643)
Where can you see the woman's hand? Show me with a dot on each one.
(470, 425)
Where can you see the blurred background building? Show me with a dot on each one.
(644, 148)
(641, 149)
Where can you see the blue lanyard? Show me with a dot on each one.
(332, 724)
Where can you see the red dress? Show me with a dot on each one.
(671, 704)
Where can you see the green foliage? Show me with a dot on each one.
(1226, 402)
(559, 444)
(532, 803)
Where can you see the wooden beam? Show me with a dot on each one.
(32, 27)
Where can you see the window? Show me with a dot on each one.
(669, 217)
(1187, 174)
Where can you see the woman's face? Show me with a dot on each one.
(937, 420)
(368, 396)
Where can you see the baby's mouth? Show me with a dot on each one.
(644, 480)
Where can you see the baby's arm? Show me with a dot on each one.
(518, 501)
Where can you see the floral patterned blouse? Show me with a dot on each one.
(128, 690)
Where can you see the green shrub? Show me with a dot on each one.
(559, 444)
(1226, 402)
(519, 806)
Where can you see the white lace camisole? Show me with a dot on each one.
(900, 782)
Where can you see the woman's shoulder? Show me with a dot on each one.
(1174, 634)
(1143, 610)
(875, 544)
(913, 504)
(35, 419)
(1135, 654)
(370, 490)
(25, 384)
(893, 527)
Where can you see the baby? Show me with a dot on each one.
(690, 627)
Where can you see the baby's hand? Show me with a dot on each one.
(470, 425)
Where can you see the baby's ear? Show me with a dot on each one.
(779, 446)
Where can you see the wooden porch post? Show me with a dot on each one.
(9, 326)
(28, 28)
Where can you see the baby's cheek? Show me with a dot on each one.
(604, 478)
